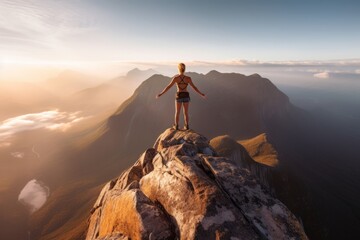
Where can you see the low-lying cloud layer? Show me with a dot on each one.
(322, 75)
(5, 144)
(257, 63)
(52, 120)
(318, 69)
(18, 154)
(34, 195)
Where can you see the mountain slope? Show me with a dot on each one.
(261, 150)
(238, 105)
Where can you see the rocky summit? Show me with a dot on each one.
(182, 189)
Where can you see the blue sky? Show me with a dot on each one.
(162, 31)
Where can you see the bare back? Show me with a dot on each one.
(182, 82)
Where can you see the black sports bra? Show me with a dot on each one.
(182, 82)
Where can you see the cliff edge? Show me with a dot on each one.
(182, 189)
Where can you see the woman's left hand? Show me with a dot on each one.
(159, 95)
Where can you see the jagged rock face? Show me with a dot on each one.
(182, 189)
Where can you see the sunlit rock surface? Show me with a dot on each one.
(182, 189)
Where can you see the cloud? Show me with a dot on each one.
(29, 26)
(322, 75)
(242, 65)
(34, 195)
(257, 63)
(5, 144)
(51, 120)
(357, 71)
(18, 154)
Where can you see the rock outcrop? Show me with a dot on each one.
(261, 150)
(182, 189)
(255, 154)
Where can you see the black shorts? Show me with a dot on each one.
(182, 97)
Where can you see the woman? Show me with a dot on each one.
(182, 95)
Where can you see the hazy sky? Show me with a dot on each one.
(167, 30)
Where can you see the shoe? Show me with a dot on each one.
(186, 127)
(176, 127)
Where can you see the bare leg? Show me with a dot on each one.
(186, 114)
(177, 112)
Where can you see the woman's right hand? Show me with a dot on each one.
(203, 95)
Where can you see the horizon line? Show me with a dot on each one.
(230, 62)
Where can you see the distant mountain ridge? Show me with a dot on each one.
(137, 73)
(68, 82)
(108, 94)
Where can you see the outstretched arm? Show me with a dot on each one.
(195, 88)
(167, 87)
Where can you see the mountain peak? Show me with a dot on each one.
(255, 75)
(182, 189)
(136, 72)
(213, 73)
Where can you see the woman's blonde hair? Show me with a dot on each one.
(181, 67)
